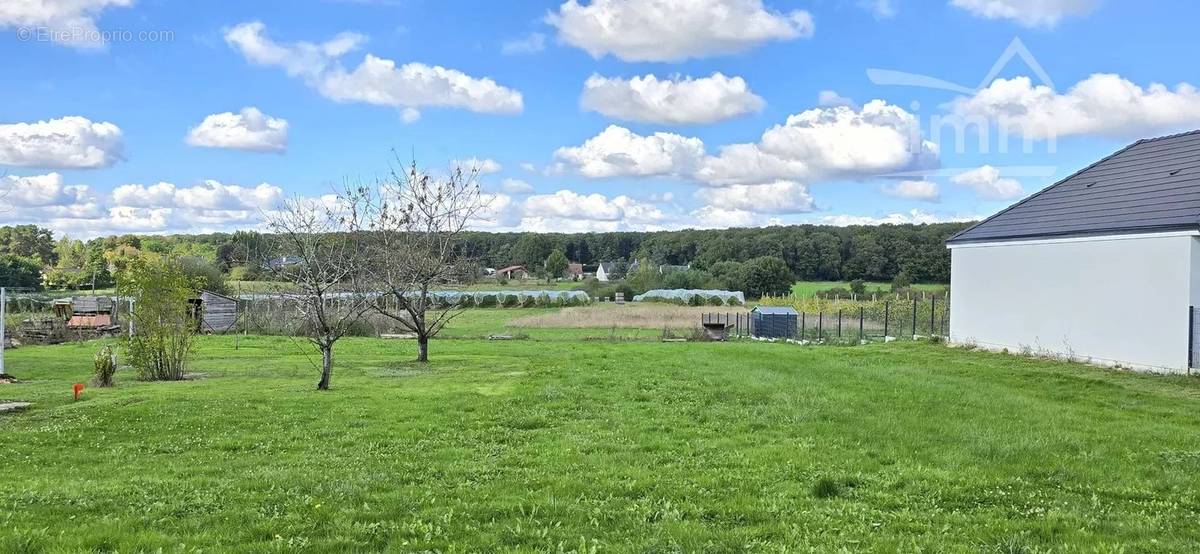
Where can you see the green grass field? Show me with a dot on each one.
(811, 288)
(565, 444)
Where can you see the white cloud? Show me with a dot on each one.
(529, 167)
(913, 190)
(671, 101)
(40, 190)
(209, 195)
(987, 183)
(674, 30)
(72, 142)
(529, 44)
(830, 98)
(918, 217)
(881, 9)
(484, 166)
(1028, 13)
(827, 143)
(779, 197)
(617, 151)
(250, 129)
(515, 186)
(713, 217)
(376, 80)
(66, 22)
(1104, 104)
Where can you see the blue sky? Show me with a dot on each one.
(158, 116)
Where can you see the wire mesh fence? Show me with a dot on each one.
(847, 321)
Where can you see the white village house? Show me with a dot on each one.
(1103, 266)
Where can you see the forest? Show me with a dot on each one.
(811, 252)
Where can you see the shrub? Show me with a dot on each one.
(244, 273)
(466, 301)
(162, 317)
(486, 301)
(858, 286)
(544, 300)
(715, 300)
(205, 274)
(695, 300)
(104, 365)
(527, 301)
(901, 282)
(509, 300)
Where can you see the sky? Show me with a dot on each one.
(157, 116)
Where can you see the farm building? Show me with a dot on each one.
(774, 321)
(1103, 266)
(217, 313)
(91, 312)
(513, 272)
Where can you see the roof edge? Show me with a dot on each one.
(958, 236)
(1144, 230)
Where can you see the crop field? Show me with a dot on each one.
(563, 441)
(811, 288)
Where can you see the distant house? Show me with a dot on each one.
(513, 272)
(575, 271)
(607, 271)
(1103, 266)
(281, 262)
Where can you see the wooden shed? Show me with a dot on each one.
(217, 313)
(91, 312)
(774, 321)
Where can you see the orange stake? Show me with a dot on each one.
(78, 388)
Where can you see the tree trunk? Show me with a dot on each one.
(422, 348)
(326, 367)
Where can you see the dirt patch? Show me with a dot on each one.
(628, 316)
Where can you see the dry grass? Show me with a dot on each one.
(628, 316)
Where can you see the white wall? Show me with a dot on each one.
(1111, 300)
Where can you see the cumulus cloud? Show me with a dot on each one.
(617, 151)
(41, 190)
(779, 197)
(484, 166)
(913, 190)
(670, 101)
(515, 186)
(249, 129)
(827, 143)
(375, 80)
(674, 30)
(529, 44)
(987, 183)
(1104, 104)
(72, 142)
(830, 98)
(1028, 13)
(66, 22)
(917, 217)
(715, 217)
(162, 207)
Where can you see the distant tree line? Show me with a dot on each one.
(811, 252)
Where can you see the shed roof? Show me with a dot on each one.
(1149, 186)
(775, 310)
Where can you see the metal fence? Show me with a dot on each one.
(849, 322)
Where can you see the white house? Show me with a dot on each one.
(1103, 266)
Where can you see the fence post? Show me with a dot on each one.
(3, 315)
(820, 324)
(1191, 340)
(887, 305)
(914, 319)
(839, 323)
(802, 327)
(860, 324)
(932, 312)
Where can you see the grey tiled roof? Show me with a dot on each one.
(1150, 185)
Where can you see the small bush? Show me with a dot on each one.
(510, 301)
(858, 286)
(486, 301)
(715, 300)
(528, 301)
(466, 301)
(695, 300)
(104, 366)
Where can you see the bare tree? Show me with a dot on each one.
(414, 222)
(322, 259)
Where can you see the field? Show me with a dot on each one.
(811, 288)
(567, 441)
